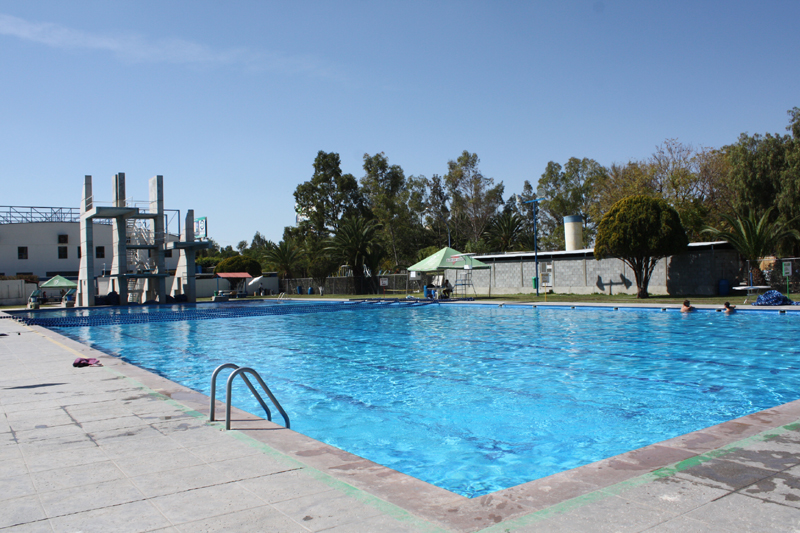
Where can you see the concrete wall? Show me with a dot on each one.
(695, 272)
(15, 291)
(41, 239)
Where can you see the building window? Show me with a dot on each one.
(167, 253)
(22, 252)
(100, 252)
(63, 239)
(62, 252)
(79, 252)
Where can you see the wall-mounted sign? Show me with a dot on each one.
(200, 228)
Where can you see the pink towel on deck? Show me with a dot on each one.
(81, 361)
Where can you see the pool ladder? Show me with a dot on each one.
(242, 371)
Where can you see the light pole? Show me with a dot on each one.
(535, 203)
(447, 223)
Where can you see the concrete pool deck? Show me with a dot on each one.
(118, 448)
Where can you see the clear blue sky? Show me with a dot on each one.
(231, 101)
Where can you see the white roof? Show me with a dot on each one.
(585, 251)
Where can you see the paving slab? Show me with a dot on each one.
(740, 513)
(126, 518)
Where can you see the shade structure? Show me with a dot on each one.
(256, 280)
(234, 275)
(58, 282)
(445, 259)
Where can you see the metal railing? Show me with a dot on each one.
(242, 371)
(10, 214)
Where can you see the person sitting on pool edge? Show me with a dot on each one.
(447, 289)
(729, 308)
(687, 307)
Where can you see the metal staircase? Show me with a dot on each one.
(139, 242)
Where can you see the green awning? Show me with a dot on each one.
(447, 258)
(58, 282)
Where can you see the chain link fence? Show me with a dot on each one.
(782, 273)
(392, 285)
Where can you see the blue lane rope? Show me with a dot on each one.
(193, 314)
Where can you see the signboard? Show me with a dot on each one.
(787, 268)
(200, 228)
(384, 282)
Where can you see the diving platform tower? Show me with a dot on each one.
(138, 268)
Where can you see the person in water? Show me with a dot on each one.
(729, 308)
(687, 307)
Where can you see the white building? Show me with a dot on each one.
(45, 241)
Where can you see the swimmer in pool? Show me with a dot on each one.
(729, 308)
(687, 307)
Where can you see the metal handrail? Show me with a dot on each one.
(214, 375)
(246, 370)
(241, 371)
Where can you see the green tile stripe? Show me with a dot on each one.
(624, 486)
(389, 509)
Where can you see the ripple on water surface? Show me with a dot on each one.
(476, 399)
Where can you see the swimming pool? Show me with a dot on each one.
(479, 398)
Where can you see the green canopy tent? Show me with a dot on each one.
(449, 259)
(445, 259)
(58, 282)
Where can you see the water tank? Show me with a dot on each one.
(573, 233)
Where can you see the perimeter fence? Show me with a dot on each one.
(782, 274)
(395, 285)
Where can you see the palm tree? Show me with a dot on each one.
(504, 231)
(283, 258)
(754, 238)
(356, 244)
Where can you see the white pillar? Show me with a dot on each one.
(86, 288)
(119, 262)
(157, 206)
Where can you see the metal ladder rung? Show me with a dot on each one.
(242, 371)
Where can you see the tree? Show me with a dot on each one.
(521, 205)
(640, 230)
(754, 238)
(765, 172)
(319, 262)
(567, 192)
(384, 190)
(472, 195)
(261, 242)
(437, 210)
(284, 258)
(239, 263)
(328, 196)
(693, 180)
(356, 244)
(504, 231)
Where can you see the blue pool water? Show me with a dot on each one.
(476, 399)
